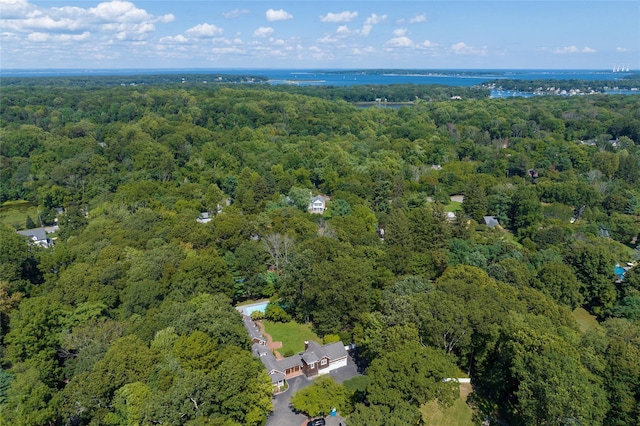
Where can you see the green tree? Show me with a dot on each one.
(411, 374)
(558, 281)
(320, 398)
(475, 202)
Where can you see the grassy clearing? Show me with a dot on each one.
(14, 213)
(459, 414)
(291, 334)
(453, 206)
(585, 320)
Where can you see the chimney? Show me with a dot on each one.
(306, 345)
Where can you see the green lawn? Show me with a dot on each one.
(14, 213)
(459, 414)
(453, 206)
(585, 320)
(291, 334)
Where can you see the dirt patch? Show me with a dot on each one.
(465, 390)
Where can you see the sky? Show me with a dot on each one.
(307, 34)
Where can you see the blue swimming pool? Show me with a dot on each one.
(249, 309)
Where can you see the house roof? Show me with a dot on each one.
(315, 352)
(35, 234)
(491, 221)
(252, 328)
(271, 363)
(334, 350)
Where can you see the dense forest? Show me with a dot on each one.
(128, 318)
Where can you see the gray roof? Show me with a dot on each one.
(310, 356)
(252, 328)
(315, 352)
(334, 350)
(491, 221)
(35, 234)
(275, 366)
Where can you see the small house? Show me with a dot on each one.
(204, 217)
(491, 221)
(318, 204)
(37, 236)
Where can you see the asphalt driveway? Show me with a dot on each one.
(283, 414)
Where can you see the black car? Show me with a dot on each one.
(316, 422)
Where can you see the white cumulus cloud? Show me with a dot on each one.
(399, 32)
(204, 30)
(115, 18)
(263, 32)
(57, 38)
(462, 48)
(375, 19)
(345, 16)
(278, 15)
(399, 42)
(417, 19)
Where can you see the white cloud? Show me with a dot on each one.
(417, 19)
(278, 15)
(235, 13)
(621, 49)
(363, 51)
(375, 19)
(573, 49)
(10, 9)
(117, 18)
(343, 29)
(399, 42)
(204, 30)
(263, 32)
(370, 22)
(345, 16)
(428, 44)
(464, 49)
(177, 39)
(57, 38)
(227, 50)
(400, 32)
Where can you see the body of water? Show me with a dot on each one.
(464, 78)
(344, 77)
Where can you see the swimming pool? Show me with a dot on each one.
(253, 307)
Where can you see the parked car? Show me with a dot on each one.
(316, 422)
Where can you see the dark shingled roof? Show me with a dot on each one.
(252, 328)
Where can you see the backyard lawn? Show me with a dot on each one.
(291, 334)
(459, 414)
(14, 213)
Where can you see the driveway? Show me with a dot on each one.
(283, 414)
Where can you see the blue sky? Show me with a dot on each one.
(320, 34)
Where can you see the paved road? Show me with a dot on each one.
(283, 414)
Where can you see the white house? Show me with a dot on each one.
(204, 217)
(37, 236)
(318, 204)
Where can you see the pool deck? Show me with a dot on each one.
(251, 307)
